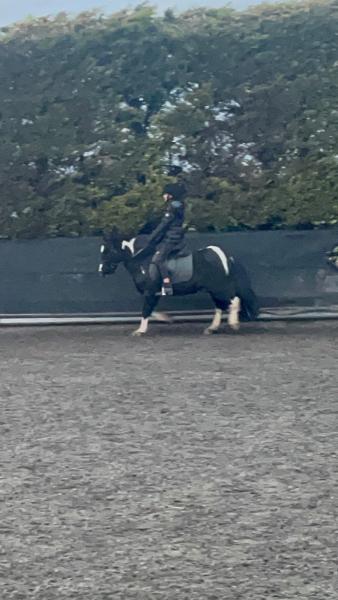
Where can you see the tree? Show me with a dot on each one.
(97, 111)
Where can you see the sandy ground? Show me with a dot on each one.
(176, 467)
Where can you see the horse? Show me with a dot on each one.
(208, 269)
(332, 258)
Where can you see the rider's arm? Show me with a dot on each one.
(159, 232)
(157, 235)
(174, 208)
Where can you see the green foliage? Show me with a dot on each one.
(94, 110)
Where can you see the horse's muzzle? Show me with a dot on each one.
(104, 270)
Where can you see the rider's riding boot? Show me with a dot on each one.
(167, 288)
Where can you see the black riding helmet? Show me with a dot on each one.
(176, 190)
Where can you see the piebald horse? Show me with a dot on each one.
(207, 269)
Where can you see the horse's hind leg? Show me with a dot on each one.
(234, 312)
(217, 320)
(149, 304)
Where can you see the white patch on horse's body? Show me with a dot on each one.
(130, 245)
(234, 310)
(221, 256)
(216, 322)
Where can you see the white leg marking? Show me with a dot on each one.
(143, 328)
(216, 322)
(234, 310)
(162, 317)
(222, 257)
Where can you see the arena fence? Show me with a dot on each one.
(56, 281)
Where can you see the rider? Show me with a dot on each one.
(169, 234)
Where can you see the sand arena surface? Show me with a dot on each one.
(175, 467)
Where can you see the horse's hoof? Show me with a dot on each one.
(234, 327)
(209, 331)
(138, 333)
(162, 317)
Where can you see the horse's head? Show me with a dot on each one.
(112, 253)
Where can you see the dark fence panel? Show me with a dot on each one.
(60, 275)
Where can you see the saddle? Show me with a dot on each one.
(180, 268)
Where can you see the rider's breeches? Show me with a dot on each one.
(161, 256)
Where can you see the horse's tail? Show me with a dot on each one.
(249, 305)
(244, 290)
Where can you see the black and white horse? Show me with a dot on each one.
(332, 257)
(208, 269)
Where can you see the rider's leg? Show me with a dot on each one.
(160, 259)
(150, 302)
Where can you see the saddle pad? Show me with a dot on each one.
(180, 268)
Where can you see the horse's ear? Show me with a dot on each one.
(112, 237)
(116, 238)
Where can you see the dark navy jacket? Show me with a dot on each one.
(170, 230)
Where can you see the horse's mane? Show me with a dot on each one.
(140, 241)
(148, 227)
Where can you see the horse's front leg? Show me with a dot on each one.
(216, 322)
(150, 301)
(162, 317)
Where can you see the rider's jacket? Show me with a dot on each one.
(170, 229)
